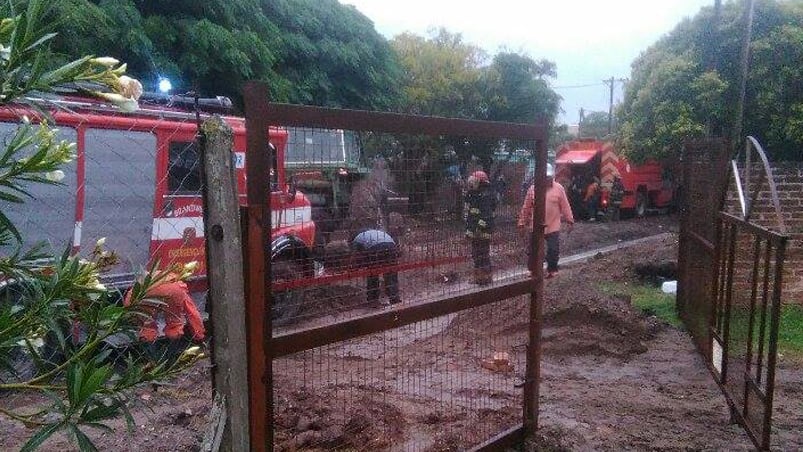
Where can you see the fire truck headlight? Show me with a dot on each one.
(164, 85)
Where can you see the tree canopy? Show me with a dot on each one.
(446, 76)
(308, 51)
(594, 124)
(687, 83)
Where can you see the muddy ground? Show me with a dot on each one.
(613, 378)
(425, 238)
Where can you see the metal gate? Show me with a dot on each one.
(362, 355)
(731, 280)
(705, 169)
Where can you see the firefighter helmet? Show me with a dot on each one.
(481, 177)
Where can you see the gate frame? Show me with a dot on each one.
(264, 347)
(718, 310)
(722, 303)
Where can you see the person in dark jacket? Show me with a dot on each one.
(617, 193)
(369, 248)
(480, 203)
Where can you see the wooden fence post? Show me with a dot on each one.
(225, 276)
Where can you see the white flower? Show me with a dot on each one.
(130, 87)
(100, 286)
(101, 241)
(55, 176)
(123, 103)
(128, 106)
(25, 119)
(190, 267)
(105, 61)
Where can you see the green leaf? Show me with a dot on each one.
(7, 224)
(75, 377)
(84, 443)
(41, 41)
(129, 419)
(40, 437)
(100, 413)
(94, 382)
(99, 426)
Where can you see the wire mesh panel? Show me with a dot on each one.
(397, 263)
(404, 224)
(430, 385)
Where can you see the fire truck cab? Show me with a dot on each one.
(136, 180)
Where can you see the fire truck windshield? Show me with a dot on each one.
(184, 169)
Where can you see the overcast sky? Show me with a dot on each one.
(589, 40)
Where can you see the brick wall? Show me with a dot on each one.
(788, 178)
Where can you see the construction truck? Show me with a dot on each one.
(647, 186)
(136, 180)
(325, 165)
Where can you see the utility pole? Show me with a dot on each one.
(712, 60)
(611, 84)
(745, 72)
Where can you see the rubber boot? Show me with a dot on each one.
(486, 277)
(478, 276)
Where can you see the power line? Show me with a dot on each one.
(590, 85)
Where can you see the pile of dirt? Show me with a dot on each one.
(580, 329)
(463, 432)
(330, 419)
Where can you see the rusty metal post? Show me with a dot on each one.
(772, 357)
(536, 263)
(260, 364)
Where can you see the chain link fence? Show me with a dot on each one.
(135, 181)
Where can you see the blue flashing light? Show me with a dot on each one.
(164, 85)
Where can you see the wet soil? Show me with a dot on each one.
(612, 379)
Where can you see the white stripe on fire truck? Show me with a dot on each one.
(76, 234)
(173, 228)
(291, 217)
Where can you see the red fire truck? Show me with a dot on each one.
(136, 180)
(646, 186)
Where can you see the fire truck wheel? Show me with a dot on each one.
(641, 204)
(286, 303)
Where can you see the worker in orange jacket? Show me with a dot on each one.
(557, 207)
(591, 199)
(171, 297)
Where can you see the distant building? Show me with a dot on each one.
(574, 130)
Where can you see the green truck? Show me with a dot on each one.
(324, 164)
